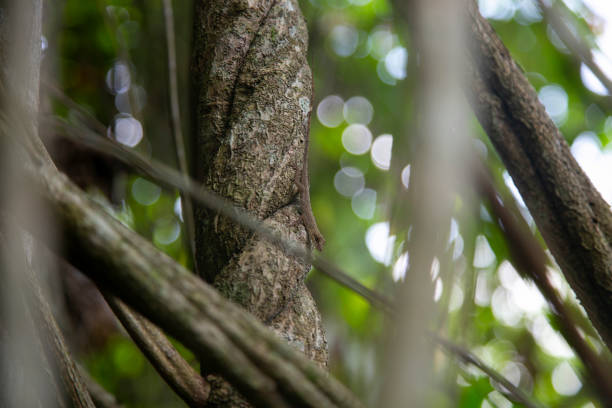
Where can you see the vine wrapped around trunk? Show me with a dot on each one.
(253, 97)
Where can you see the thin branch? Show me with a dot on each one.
(531, 261)
(574, 219)
(100, 397)
(180, 376)
(577, 46)
(168, 177)
(175, 114)
(54, 343)
(511, 392)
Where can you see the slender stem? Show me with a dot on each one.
(175, 114)
(168, 177)
(100, 397)
(173, 368)
(511, 391)
(577, 46)
(531, 261)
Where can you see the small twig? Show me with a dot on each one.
(170, 178)
(168, 362)
(512, 392)
(579, 49)
(175, 114)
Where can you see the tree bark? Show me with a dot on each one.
(253, 93)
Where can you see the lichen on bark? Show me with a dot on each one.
(252, 92)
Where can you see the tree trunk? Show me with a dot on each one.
(253, 93)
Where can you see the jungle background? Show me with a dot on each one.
(109, 57)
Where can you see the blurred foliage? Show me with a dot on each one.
(357, 48)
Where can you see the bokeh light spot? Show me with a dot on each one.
(178, 208)
(555, 100)
(396, 61)
(379, 242)
(126, 130)
(590, 80)
(118, 78)
(145, 192)
(405, 176)
(363, 203)
(565, 381)
(381, 151)
(401, 266)
(358, 110)
(166, 231)
(597, 164)
(330, 111)
(381, 41)
(548, 339)
(348, 181)
(344, 40)
(357, 139)
(124, 101)
(496, 9)
(483, 254)
(438, 288)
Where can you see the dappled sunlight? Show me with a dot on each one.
(381, 151)
(548, 339)
(145, 192)
(126, 130)
(344, 40)
(483, 255)
(380, 243)
(369, 125)
(118, 78)
(405, 176)
(400, 267)
(363, 203)
(595, 161)
(348, 181)
(357, 139)
(396, 61)
(358, 109)
(167, 230)
(330, 111)
(565, 380)
(555, 100)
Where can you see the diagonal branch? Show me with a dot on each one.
(575, 221)
(168, 177)
(511, 392)
(180, 376)
(262, 367)
(531, 261)
(577, 46)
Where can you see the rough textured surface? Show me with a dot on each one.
(573, 217)
(253, 99)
